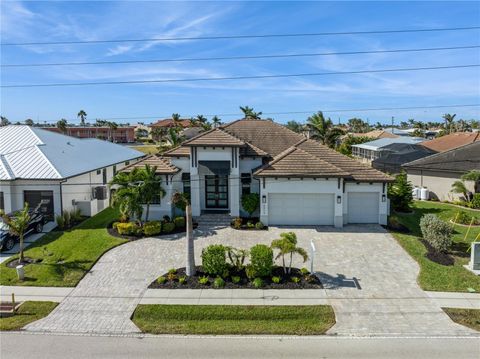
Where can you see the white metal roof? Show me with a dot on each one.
(33, 153)
(382, 142)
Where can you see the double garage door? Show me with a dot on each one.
(300, 209)
(314, 209)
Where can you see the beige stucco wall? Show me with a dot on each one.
(438, 183)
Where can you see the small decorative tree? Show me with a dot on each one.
(287, 245)
(250, 202)
(181, 200)
(436, 232)
(17, 225)
(400, 193)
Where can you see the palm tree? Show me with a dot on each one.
(216, 121)
(151, 188)
(181, 200)
(287, 245)
(176, 120)
(127, 195)
(323, 129)
(83, 115)
(459, 187)
(250, 114)
(62, 125)
(112, 126)
(202, 120)
(4, 121)
(17, 226)
(449, 122)
(474, 176)
(171, 140)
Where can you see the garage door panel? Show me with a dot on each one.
(301, 209)
(363, 207)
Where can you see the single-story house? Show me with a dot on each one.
(374, 134)
(438, 172)
(57, 172)
(396, 154)
(451, 141)
(372, 150)
(299, 181)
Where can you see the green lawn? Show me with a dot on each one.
(433, 276)
(148, 149)
(467, 317)
(234, 319)
(65, 256)
(27, 313)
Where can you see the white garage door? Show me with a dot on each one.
(300, 209)
(363, 207)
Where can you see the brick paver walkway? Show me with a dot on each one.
(371, 282)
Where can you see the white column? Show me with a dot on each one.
(338, 218)
(234, 185)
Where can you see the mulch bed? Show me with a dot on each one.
(442, 258)
(245, 283)
(26, 261)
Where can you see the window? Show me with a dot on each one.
(186, 183)
(98, 172)
(127, 163)
(104, 172)
(246, 179)
(2, 202)
(114, 170)
(156, 199)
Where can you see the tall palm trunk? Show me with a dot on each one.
(21, 249)
(148, 212)
(190, 267)
(290, 266)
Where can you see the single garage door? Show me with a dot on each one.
(363, 207)
(300, 209)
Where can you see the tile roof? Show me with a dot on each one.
(251, 150)
(164, 165)
(214, 137)
(375, 134)
(267, 135)
(451, 141)
(168, 122)
(34, 153)
(179, 151)
(461, 159)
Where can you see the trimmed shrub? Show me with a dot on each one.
(250, 202)
(250, 225)
(168, 227)
(182, 280)
(465, 218)
(203, 280)
(161, 280)
(237, 223)
(236, 279)
(436, 232)
(152, 228)
(261, 260)
(400, 193)
(295, 279)
(214, 260)
(219, 282)
(129, 229)
(276, 280)
(179, 222)
(304, 271)
(258, 282)
(476, 201)
(114, 225)
(60, 221)
(259, 225)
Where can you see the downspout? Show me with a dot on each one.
(61, 195)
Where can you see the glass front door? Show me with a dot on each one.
(216, 191)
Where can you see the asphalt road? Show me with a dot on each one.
(18, 346)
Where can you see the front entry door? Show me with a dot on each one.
(216, 191)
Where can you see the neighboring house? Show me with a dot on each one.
(451, 141)
(438, 172)
(396, 154)
(299, 181)
(168, 123)
(122, 134)
(57, 172)
(372, 150)
(375, 134)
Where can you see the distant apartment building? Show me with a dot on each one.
(122, 134)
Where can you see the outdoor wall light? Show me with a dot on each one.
(339, 199)
(264, 199)
(384, 198)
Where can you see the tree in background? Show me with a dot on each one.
(217, 122)
(295, 126)
(62, 125)
(400, 193)
(151, 188)
(449, 125)
(17, 225)
(29, 122)
(249, 113)
(4, 121)
(323, 129)
(418, 133)
(171, 140)
(358, 125)
(82, 115)
(346, 145)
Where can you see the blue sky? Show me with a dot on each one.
(75, 20)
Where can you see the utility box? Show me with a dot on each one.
(475, 256)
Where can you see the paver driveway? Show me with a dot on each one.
(370, 281)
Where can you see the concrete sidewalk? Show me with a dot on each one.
(233, 296)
